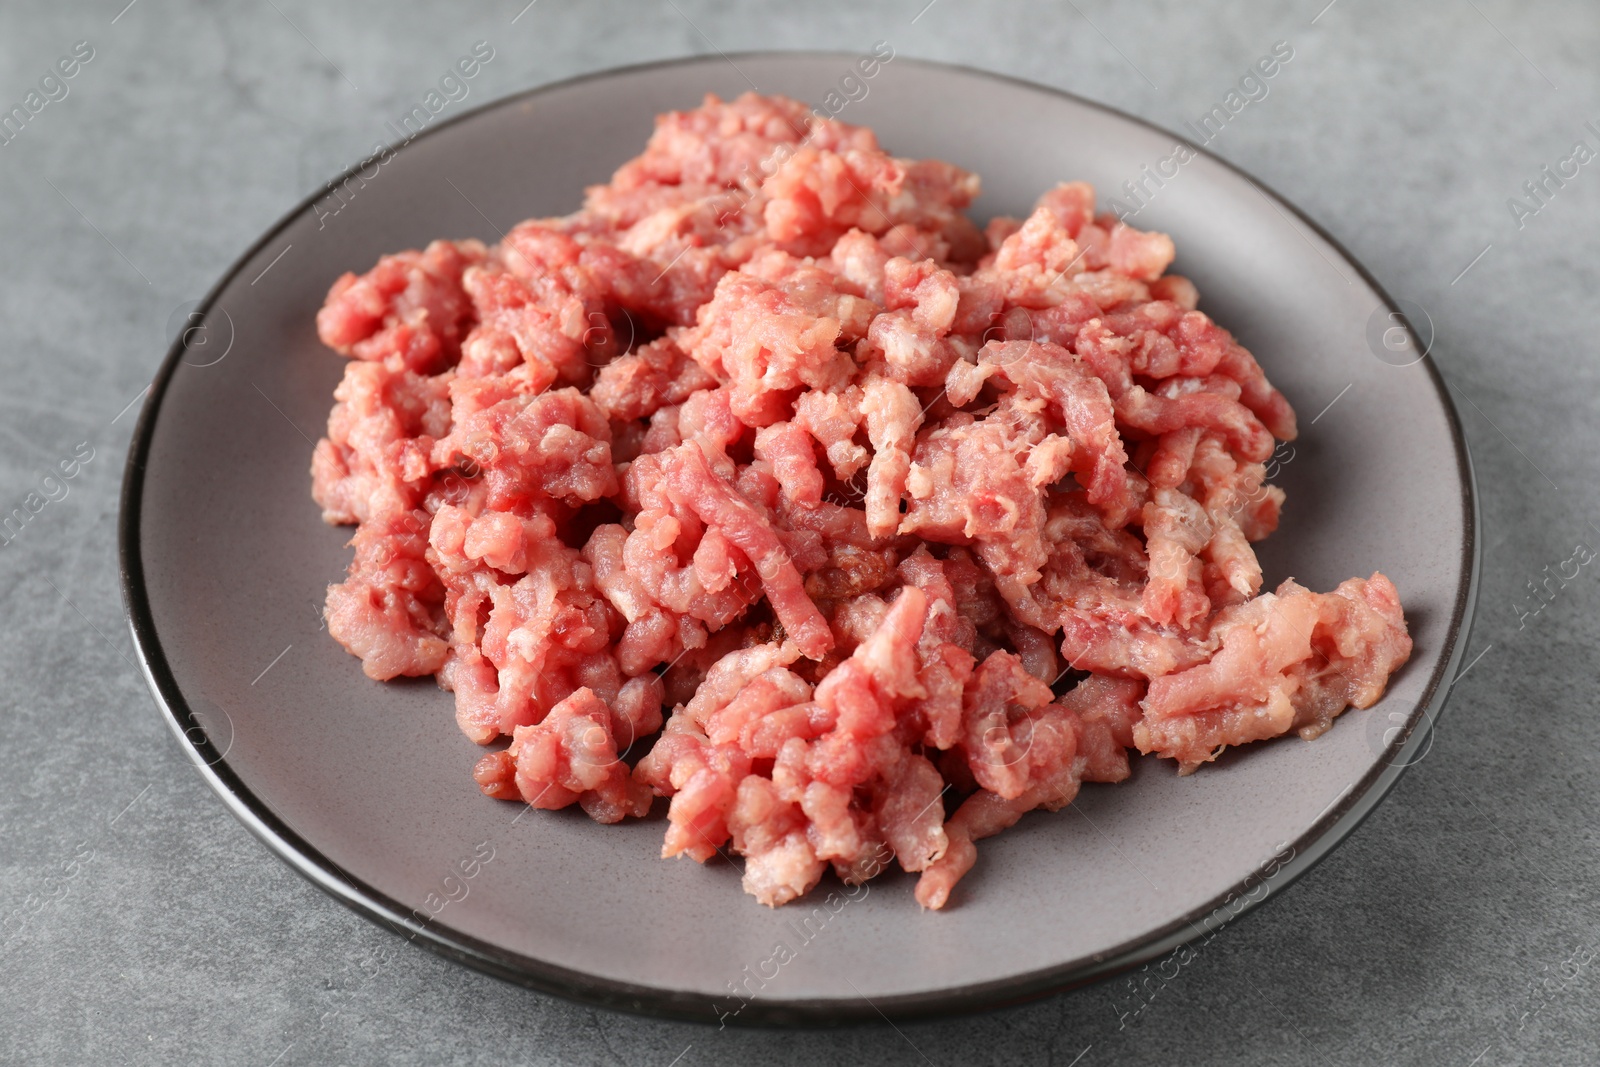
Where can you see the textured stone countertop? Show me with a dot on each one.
(140, 923)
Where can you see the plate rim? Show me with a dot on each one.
(1330, 829)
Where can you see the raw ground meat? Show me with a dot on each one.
(769, 484)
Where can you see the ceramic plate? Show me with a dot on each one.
(365, 788)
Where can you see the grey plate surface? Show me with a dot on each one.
(365, 787)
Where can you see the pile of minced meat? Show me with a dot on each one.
(867, 529)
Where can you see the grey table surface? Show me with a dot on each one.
(139, 923)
